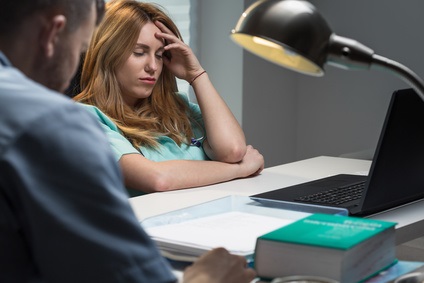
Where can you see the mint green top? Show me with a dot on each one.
(168, 149)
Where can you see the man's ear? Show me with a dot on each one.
(50, 35)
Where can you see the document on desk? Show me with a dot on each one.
(234, 230)
(233, 222)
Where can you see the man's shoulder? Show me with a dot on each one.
(18, 93)
(25, 103)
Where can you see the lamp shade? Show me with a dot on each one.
(290, 33)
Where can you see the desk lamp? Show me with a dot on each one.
(292, 34)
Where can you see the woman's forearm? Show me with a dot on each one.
(225, 138)
(149, 176)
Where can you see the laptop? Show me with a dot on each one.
(396, 175)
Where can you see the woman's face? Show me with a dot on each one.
(139, 74)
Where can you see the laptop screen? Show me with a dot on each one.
(397, 173)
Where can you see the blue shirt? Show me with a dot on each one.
(64, 214)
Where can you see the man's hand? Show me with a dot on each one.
(219, 266)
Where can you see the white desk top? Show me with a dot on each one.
(410, 218)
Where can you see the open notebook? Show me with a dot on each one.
(396, 175)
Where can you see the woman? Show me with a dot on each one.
(162, 141)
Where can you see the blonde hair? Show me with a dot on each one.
(164, 112)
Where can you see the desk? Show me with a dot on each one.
(410, 218)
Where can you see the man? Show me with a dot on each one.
(64, 214)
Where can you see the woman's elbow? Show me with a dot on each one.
(160, 184)
(234, 154)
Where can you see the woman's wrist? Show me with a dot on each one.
(196, 76)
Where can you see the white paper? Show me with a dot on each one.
(235, 231)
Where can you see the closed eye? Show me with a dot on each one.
(138, 54)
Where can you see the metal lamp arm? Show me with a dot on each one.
(349, 54)
(382, 63)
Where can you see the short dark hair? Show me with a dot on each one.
(13, 12)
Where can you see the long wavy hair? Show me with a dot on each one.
(164, 112)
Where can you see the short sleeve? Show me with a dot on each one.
(120, 145)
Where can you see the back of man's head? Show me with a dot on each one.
(44, 38)
(14, 12)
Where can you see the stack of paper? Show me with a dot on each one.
(234, 230)
(233, 222)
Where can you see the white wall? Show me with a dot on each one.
(220, 57)
(290, 116)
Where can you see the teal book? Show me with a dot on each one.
(342, 248)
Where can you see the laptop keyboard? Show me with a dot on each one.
(337, 195)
